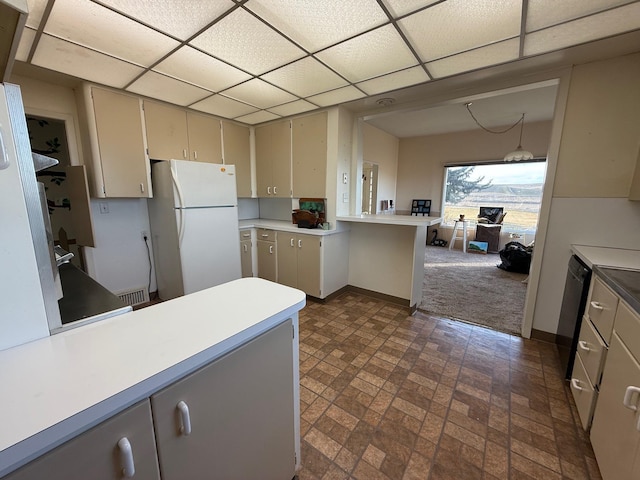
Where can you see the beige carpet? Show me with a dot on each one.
(470, 287)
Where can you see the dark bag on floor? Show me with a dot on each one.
(515, 257)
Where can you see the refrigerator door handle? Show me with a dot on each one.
(180, 205)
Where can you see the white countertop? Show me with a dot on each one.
(283, 226)
(59, 386)
(410, 220)
(607, 257)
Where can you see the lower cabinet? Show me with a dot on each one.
(299, 262)
(120, 447)
(246, 256)
(266, 247)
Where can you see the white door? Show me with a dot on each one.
(204, 184)
(209, 249)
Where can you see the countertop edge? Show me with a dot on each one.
(607, 256)
(285, 226)
(406, 220)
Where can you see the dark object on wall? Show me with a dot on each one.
(421, 207)
(489, 234)
(515, 257)
(438, 242)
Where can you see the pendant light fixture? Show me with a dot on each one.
(519, 153)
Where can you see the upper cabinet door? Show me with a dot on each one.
(205, 143)
(281, 152)
(309, 155)
(120, 160)
(264, 161)
(237, 151)
(166, 131)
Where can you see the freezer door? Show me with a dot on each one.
(203, 184)
(209, 247)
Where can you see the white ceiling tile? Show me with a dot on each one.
(201, 69)
(317, 24)
(36, 9)
(244, 41)
(602, 25)
(544, 13)
(24, 47)
(180, 18)
(293, 108)
(375, 53)
(258, 117)
(155, 85)
(393, 81)
(65, 57)
(259, 93)
(223, 106)
(402, 7)
(305, 77)
(482, 57)
(344, 94)
(458, 25)
(97, 27)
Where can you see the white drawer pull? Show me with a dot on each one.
(584, 346)
(270, 248)
(126, 456)
(627, 398)
(265, 235)
(185, 418)
(597, 305)
(576, 384)
(246, 249)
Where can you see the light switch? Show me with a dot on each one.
(345, 198)
(345, 178)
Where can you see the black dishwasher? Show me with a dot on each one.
(576, 289)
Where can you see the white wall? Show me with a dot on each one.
(339, 145)
(380, 148)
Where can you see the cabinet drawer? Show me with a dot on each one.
(602, 309)
(245, 235)
(592, 351)
(628, 329)
(583, 393)
(267, 235)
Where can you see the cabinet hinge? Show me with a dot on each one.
(295, 459)
(104, 190)
(293, 331)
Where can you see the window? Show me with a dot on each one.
(516, 187)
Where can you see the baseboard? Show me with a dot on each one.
(543, 336)
(402, 302)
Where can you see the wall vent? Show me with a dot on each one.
(134, 297)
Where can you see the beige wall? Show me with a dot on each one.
(380, 148)
(421, 160)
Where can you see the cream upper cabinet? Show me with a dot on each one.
(237, 151)
(273, 159)
(174, 133)
(119, 163)
(309, 155)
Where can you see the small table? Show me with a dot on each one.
(459, 224)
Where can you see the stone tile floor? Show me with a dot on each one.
(385, 395)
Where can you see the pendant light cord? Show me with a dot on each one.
(521, 119)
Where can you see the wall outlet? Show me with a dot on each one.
(144, 235)
(104, 207)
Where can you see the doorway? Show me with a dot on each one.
(369, 188)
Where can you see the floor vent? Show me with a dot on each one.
(135, 297)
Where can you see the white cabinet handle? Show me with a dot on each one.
(627, 398)
(299, 243)
(184, 153)
(185, 418)
(597, 305)
(126, 457)
(265, 235)
(291, 241)
(576, 384)
(275, 190)
(195, 155)
(142, 188)
(268, 190)
(584, 346)
(270, 248)
(246, 235)
(245, 248)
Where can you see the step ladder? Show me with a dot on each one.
(463, 225)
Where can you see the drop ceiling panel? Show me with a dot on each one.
(402, 7)
(259, 93)
(155, 85)
(180, 18)
(65, 57)
(481, 57)
(545, 13)
(258, 117)
(90, 25)
(26, 40)
(370, 55)
(293, 108)
(458, 25)
(393, 81)
(223, 106)
(317, 24)
(201, 69)
(244, 41)
(604, 24)
(36, 9)
(305, 77)
(340, 95)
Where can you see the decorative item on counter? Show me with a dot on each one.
(311, 213)
(461, 218)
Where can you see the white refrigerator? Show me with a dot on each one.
(194, 226)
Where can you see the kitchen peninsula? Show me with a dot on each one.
(386, 254)
(71, 397)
